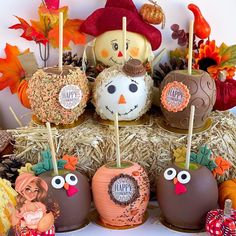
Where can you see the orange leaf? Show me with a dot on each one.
(11, 69)
(222, 166)
(71, 162)
(71, 33)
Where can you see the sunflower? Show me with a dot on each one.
(209, 59)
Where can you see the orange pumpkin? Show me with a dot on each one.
(227, 190)
(22, 93)
(153, 14)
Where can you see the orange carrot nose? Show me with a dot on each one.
(66, 186)
(175, 181)
(122, 100)
(120, 54)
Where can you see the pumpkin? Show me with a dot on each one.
(221, 222)
(227, 190)
(22, 93)
(153, 14)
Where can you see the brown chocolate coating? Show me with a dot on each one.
(203, 95)
(134, 68)
(73, 210)
(188, 210)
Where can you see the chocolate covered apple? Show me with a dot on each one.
(179, 91)
(185, 196)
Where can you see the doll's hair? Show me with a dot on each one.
(41, 196)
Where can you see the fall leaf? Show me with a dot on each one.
(71, 33)
(11, 69)
(179, 53)
(30, 33)
(203, 157)
(228, 55)
(180, 154)
(222, 166)
(71, 162)
(25, 169)
(48, 19)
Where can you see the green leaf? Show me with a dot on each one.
(46, 164)
(228, 57)
(223, 47)
(178, 53)
(203, 157)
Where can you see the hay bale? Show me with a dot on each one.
(149, 145)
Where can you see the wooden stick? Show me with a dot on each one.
(15, 116)
(53, 153)
(190, 47)
(190, 133)
(60, 40)
(227, 207)
(124, 25)
(116, 124)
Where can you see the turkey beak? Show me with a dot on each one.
(175, 181)
(66, 186)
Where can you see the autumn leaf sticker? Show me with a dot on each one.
(10, 68)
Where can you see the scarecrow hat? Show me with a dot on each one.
(110, 18)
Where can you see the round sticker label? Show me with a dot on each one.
(175, 96)
(70, 96)
(123, 189)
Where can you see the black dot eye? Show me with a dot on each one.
(127, 46)
(58, 181)
(115, 46)
(111, 89)
(133, 88)
(72, 178)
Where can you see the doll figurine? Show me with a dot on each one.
(30, 216)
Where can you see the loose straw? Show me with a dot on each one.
(15, 116)
(124, 25)
(116, 124)
(53, 153)
(227, 208)
(60, 39)
(190, 47)
(190, 133)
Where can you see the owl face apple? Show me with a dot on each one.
(117, 92)
(185, 196)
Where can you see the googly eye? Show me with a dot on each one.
(183, 177)
(71, 179)
(111, 89)
(133, 88)
(115, 46)
(169, 173)
(58, 182)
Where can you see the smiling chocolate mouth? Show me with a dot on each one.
(122, 114)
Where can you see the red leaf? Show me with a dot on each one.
(30, 33)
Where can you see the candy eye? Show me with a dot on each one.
(170, 173)
(111, 89)
(183, 177)
(133, 88)
(71, 179)
(58, 182)
(115, 46)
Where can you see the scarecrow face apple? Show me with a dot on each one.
(108, 47)
(115, 91)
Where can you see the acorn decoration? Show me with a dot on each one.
(153, 13)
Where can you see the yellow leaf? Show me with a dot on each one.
(179, 154)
